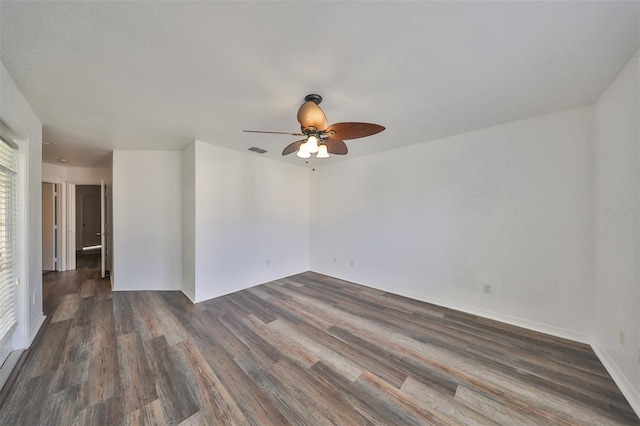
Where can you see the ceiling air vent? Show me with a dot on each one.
(258, 150)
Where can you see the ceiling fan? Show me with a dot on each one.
(320, 138)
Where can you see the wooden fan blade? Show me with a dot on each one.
(293, 147)
(274, 133)
(343, 131)
(311, 115)
(337, 147)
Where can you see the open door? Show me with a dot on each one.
(104, 227)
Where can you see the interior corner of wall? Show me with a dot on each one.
(190, 295)
(630, 393)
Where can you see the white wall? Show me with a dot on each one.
(617, 226)
(509, 206)
(147, 220)
(251, 220)
(88, 175)
(76, 175)
(189, 221)
(17, 113)
(53, 174)
(207, 221)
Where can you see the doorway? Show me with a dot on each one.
(74, 221)
(92, 225)
(88, 226)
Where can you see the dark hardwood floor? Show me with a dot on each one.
(305, 350)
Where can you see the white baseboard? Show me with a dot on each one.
(220, 292)
(189, 295)
(223, 290)
(508, 319)
(33, 332)
(213, 294)
(8, 366)
(627, 389)
(147, 287)
(629, 392)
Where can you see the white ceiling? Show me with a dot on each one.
(157, 75)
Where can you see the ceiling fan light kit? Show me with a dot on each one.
(311, 145)
(320, 138)
(303, 154)
(322, 152)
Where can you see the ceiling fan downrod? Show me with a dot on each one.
(316, 99)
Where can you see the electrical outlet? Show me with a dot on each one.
(34, 299)
(335, 259)
(486, 288)
(268, 262)
(622, 337)
(351, 262)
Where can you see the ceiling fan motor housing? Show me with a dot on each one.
(316, 99)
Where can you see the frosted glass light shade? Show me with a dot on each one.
(322, 152)
(302, 153)
(311, 145)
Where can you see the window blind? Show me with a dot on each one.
(8, 236)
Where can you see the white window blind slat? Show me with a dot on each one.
(8, 236)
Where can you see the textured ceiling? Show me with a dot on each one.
(157, 75)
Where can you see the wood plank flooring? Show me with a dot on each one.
(305, 350)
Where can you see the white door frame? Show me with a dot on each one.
(104, 231)
(65, 243)
(70, 261)
(61, 227)
(49, 230)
